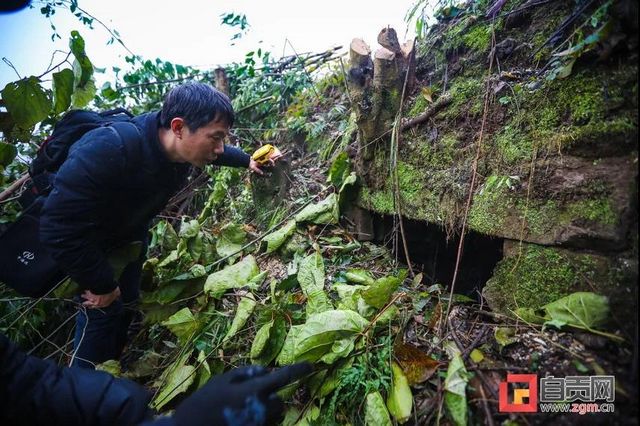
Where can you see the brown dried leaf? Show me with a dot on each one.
(416, 364)
(434, 321)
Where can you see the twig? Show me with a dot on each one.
(8, 62)
(562, 27)
(485, 406)
(474, 174)
(440, 103)
(13, 187)
(51, 68)
(395, 143)
(84, 330)
(303, 69)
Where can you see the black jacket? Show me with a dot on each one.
(104, 196)
(38, 392)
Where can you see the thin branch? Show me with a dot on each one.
(51, 68)
(8, 62)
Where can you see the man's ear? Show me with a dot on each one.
(177, 127)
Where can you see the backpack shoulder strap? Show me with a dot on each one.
(129, 133)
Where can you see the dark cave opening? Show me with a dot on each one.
(433, 254)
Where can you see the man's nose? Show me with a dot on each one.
(219, 150)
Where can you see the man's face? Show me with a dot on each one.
(205, 144)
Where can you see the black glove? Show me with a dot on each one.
(244, 396)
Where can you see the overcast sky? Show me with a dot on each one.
(189, 32)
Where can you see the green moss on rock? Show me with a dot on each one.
(531, 276)
(478, 37)
(539, 276)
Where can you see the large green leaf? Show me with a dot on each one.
(245, 308)
(455, 386)
(275, 239)
(62, 90)
(183, 324)
(27, 101)
(233, 276)
(277, 333)
(316, 338)
(324, 212)
(379, 293)
(339, 170)
(375, 412)
(83, 68)
(232, 238)
(581, 309)
(189, 229)
(261, 339)
(348, 296)
(311, 279)
(177, 381)
(400, 399)
(584, 310)
(7, 153)
(83, 95)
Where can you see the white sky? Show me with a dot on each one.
(188, 32)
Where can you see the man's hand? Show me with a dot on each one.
(244, 396)
(94, 301)
(254, 166)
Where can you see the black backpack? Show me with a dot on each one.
(25, 265)
(54, 150)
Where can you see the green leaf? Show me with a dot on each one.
(375, 412)
(195, 247)
(178, 381)
(183, 324)
(400, 399)
(324, 213)
(62, 90)
(164, 236)
(275, 239)
(555, 323)
(311, 279)
(505, 336)
(7, 153)
(27, 102)
(83, 69)
(111, 366)
(582, 309)
(339, 170)
(245, 309)
(108, 92)
(261, 339)
(529, 315)
(359, 276)
(189, 229)
(314, 339)
(348, 295)
(232, 238)
(233, 276)
(379, 293)
(349, 181)
(204, 372)
(455, 386)
(273, 345)
(83, 95)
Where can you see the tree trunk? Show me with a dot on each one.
(221, 81)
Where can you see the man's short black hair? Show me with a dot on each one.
(198, 104)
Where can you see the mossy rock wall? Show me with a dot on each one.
(557, 157)
(532, 276)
